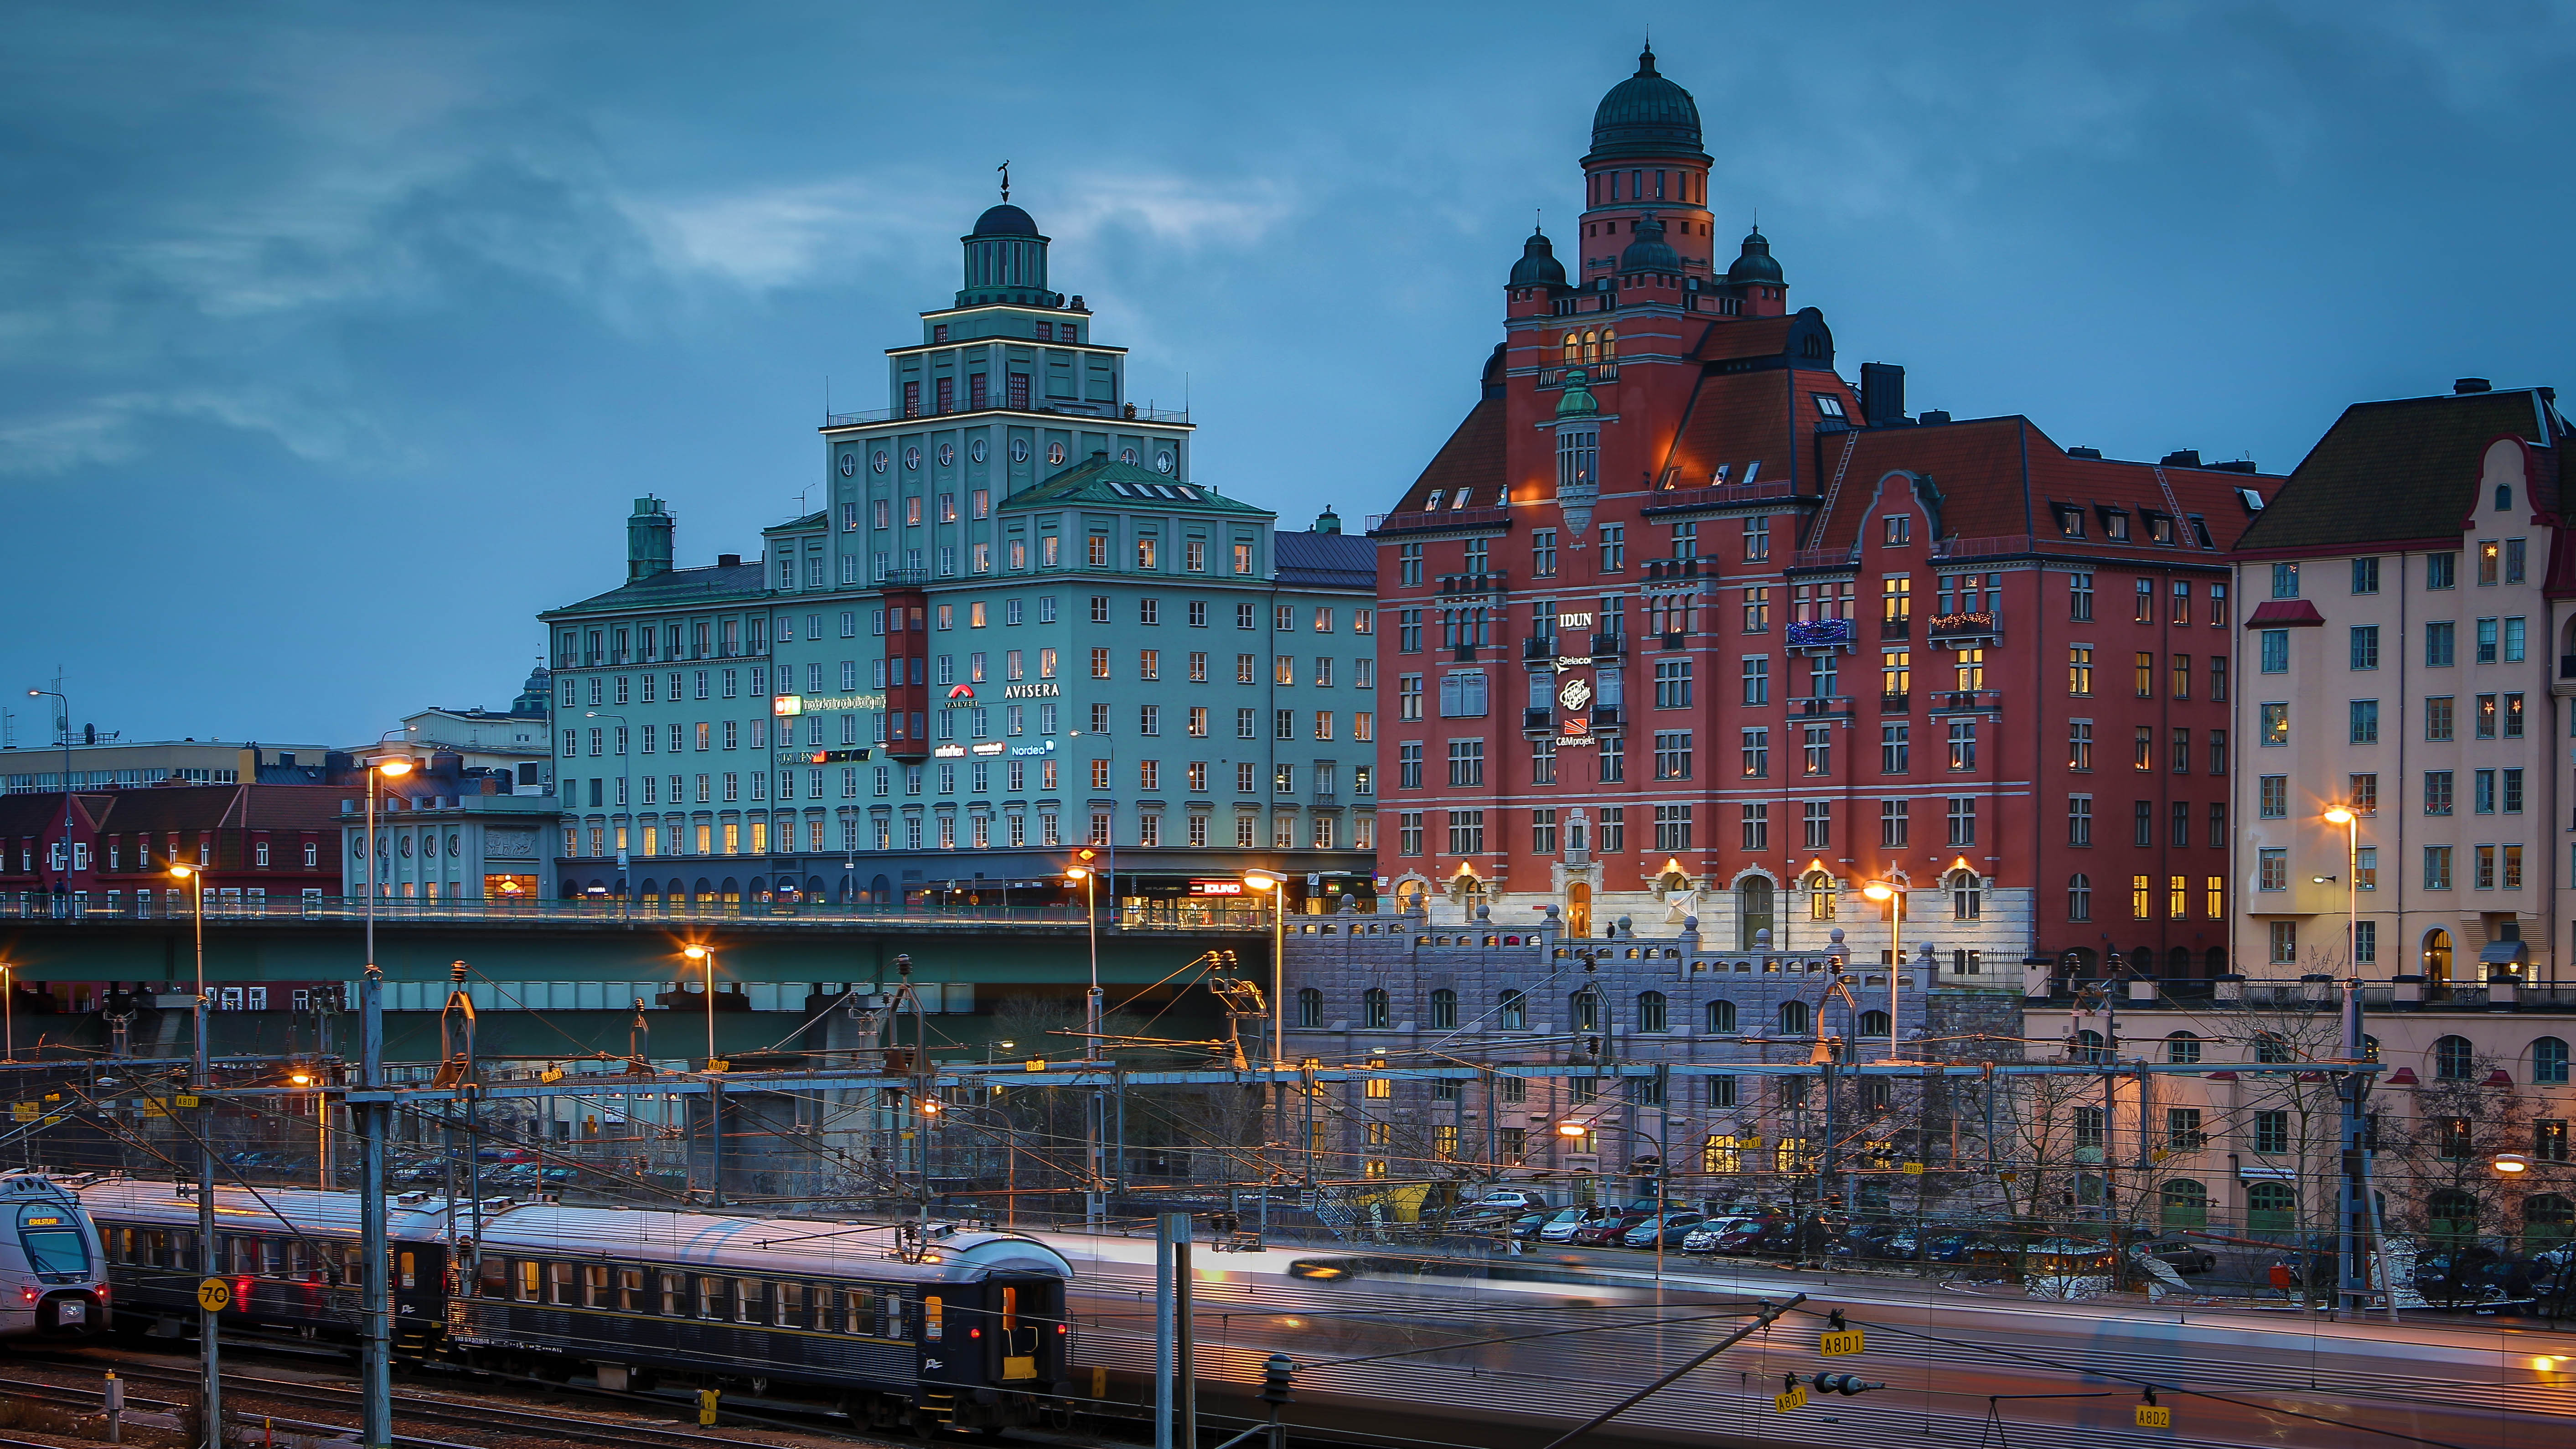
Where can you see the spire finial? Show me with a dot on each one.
(1005, 169)
(1646, 55)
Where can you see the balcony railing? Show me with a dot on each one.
(1609, 646)
(1491, 581)
(1129, 412)
(1824, 704)
(1965, 701)
(1826, 558)
(1606, 718)
(780, 911)
(1895, 703)
(1821, 634)
(1434, 518)
(1981, 547)
(1901, 627)
(1719, 494)
(1979, 625)
(1667, 569)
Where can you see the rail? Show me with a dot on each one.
(610, 910)
(1114, 412)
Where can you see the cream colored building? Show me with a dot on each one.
(2398, 660)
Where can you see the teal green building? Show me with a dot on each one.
(1019, 628)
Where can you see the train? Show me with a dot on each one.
(968, 1333)
(53, 1282)
(984, 1332)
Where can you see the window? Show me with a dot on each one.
(2272, 1132)
(1614, 547)
(1672, 827)
(2217, 682)
(1543, 553)
(1466, 832)
(2440, 635)
(2276, 651)
(1818, 750)
(1672, 756)
(2437, 867)
(2437, 792)
(2079, 592)
(2365, 646)
(2549, 1064)
(2285, 581)
(1466, 762)
(2276, 724)
(1819, 823)
(1895, 819)
(1757, 679)
(1757, 826)
(2079, 820)
(2079, 669)
(1962, 818)
(1757, 753)
(1892, 748)
(1672, 684)
(2079, 897)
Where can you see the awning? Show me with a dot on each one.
(2505, 953)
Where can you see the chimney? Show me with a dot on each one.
(648, 540)
(2463, 386)
(2182, 458)
(1882, 394)
(1328, 521)
(728, 560)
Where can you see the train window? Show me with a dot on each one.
(858, 1311)
(752, 1303)
(675, 1295)
(295, 1257)
(408, 1275)
(272, 1257)
(715, 1297)
(1010, 1311)
(594, 1286)
(528, 1276)
(934, 1317)
(630, 1290)
(559, 1284)
(493, 1278)
(243, 1255)
(791, 1305)
(120, 1245)
(895, 1310)
(156, 1246)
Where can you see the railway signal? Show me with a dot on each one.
(1839, 1338)
(2152, 1415)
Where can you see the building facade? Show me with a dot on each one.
(1019, 627)
(261, 847)
(135, 764)
(2405, 587)
(1683, 625)
(518, 742)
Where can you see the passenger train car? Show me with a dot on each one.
(52, 1282)
(972, 1337)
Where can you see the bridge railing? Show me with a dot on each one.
(84, 908)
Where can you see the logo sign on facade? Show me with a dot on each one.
(1216, 887)
(1574, 693)
(792, 704)
(950, 752)
(1032, 691)
(1576, 730)
(1565, 662)
(787, 704)
(1047, 748)
(1574, 621)
(990, 747)
(961, 696)
(833, 757)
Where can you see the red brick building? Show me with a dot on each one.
(1682, 624)
(263, 847)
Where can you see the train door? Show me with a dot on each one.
(1028, 1331)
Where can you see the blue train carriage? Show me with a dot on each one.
(290, 1259)
(973, 1337)
(52, 1278)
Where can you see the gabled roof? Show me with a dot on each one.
(1326, 560)
(1738, 419)
(2003, 479)
(180, 807)
(819, 518)
(1472, 458)
(2406, 469)
(677, 589)
(1101, 479)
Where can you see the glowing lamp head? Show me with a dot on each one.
(1878, 891)
(301, 1079)
(1569, 1129)
(2338, 815)
(930, 1106)
(694, 951)
(1077, 873)
(182, 872)
(393, 769)
(2512, 1164)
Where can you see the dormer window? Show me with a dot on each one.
(2200, 531)
(2070, 521)
(1432, 503)
(2115, 524)
(2252, 498)
(2160, 528)
(1828, 405)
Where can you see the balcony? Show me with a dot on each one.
(1428, 519)
(1822, 634)
(1826, 558)
(1606, 719)
(1666, 570)
(1538, 650)
(1671, 639)
(1895, 703)
(1822, 705)
(1609, 646)
(1719, 495)
(1964, 701)
(1966, 630)
(1593, 372)
(1900, 627)
(1060, 407)
(1463, 653)
(1538, 721)
(1455, 585)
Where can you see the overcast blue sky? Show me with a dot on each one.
(334, 339)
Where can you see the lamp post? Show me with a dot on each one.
(705, 956)
(2350, 820)
(1892, 894)
(1663, 1181)
(1095, 1206)
(209, 1355)
(1275, 885)
(9, 1006)
(375, 1396)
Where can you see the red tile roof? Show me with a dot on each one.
(1472, 458)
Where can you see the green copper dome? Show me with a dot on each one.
(1650, 252)
(1538, 266)
(1757, 263)
(1645, 115)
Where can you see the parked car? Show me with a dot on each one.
(1525, 1228)
(1509, 1199)
(2180, 1254)
(1561, 1228)
(1671, 1228)
(1704, 1235)
(1601, 1232)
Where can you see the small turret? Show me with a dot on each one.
(1538, 266)
(648, 540)
(1328, 521)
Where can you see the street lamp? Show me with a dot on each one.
(9, 1006)
(2512, 1164)
(208, 1353)
(1663, 1180)
(2350, 820)
(1095, 1205)
(706, 956)
(1275, 885)
(1892, 894)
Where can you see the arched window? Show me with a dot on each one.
(2547, 1221)
(1444, 1010)
(1512, 1012)
(1310, 1007)
(1752, 910)
(2178, 962)
(1874, 1024)
(2549, 1060)
(2437, 955)
(2089, 1047)
(1821, 890)
(2451, 1217)
(1793, 1018)
(2214, 961)
(2185, 1206)
(1653, 1013)
(2270, 1049)
(1373, 1009)
(1967, 898)
(1721, 1017)
(1610, 346)
(1573, 349)
(1591, 347)
(2182, 1048)
(2079, 897)
(2452, 1058)
(1586, 1009)
(2271, 1207)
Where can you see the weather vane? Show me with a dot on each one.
(1005, 169)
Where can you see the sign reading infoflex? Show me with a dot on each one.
(793, 704)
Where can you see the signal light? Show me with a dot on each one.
(1844, 1384)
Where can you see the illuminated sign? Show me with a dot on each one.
(1574, 694)
(990, 747)
(1574, 621)
(1577, 726)
(792, 704)
(1032, 691)
(1216, 887)
(833, 757)
(1047, 748)
(961, 691)
(950, 752)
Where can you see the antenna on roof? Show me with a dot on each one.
(1005, 169)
